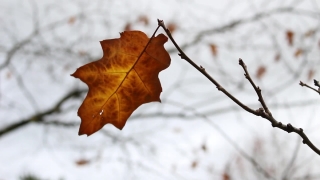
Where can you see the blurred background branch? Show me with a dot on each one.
(43, 42)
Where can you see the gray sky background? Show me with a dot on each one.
(196, 132)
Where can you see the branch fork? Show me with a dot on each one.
(263, 111)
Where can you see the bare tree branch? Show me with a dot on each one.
(264, 111)
(38, 117)
(290, 164)
(235, 23)
(316, 83)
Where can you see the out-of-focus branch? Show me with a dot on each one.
(38, 117)
(184, 116)
(264, 111)
(286, 173)
(203, 71)
(59, 123)
(309, 177)
(25, 90)
(233, 24)
(36, 32)
(219, 87)
(15, 48)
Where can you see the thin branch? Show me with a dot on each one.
(25, 90)
(180, 115)
(203, 71)
(220, 88)
(36, 32)
(59, 123)
(291, 162)
(16, 48)
(263, 112)
(256, 165)
(316, 83)
(308, 177)
(38, 117)
(256, 88)
(238, 22)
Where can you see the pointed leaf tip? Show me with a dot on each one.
(122, 80)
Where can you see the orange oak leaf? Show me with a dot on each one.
(122, 80)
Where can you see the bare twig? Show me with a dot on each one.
(25, 90)
(263, 111)
(239, 22)
(316, 83)
(37, 117)
(286, 171)
(36, 32)
(308, 176)
(16, 48)
(203, 71)
(59, 123)
(219, 87)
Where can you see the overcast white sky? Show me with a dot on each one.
(45, 41)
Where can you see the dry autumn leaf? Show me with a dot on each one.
(172, 27)
(122, 80)
(204, 147)
(298, 53)
(310, 74)
(144, 19)
(226, 176)
(194, 164)
(72, 20)
(310, 33)
(214, 49)
(289, 35)
(82, 162)
(261, 71)
(277, 57)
